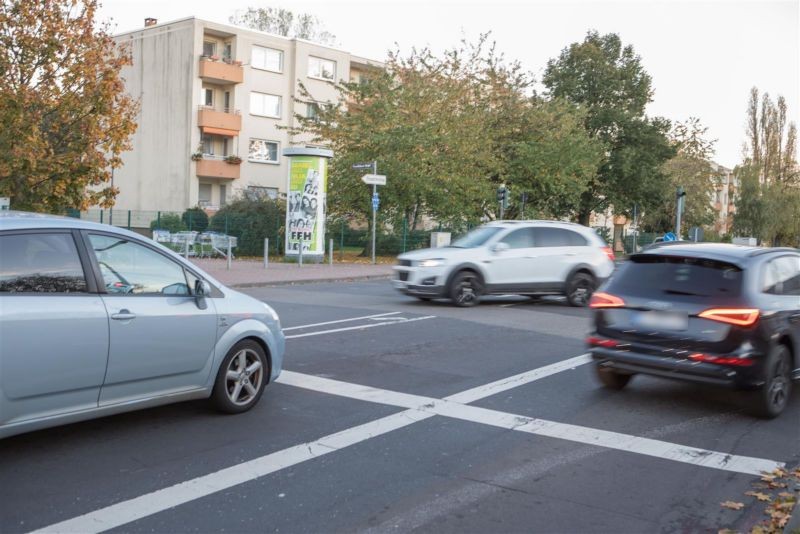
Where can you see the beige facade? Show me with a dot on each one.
(724, 198)
(215, 100)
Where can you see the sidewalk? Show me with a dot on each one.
(247, 273)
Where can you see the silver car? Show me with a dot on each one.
(97, 320)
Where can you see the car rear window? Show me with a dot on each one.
(652, 275)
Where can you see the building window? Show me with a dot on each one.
(312, 111)
(266, 105)
(208, 145)
(223, 194)
(255, 192)
(263, 151)
(204, 195)
(207, 97)
(227, 52)
(321, 68)
(209, 48)
(266, 59)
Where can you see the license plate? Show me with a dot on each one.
(662, 320)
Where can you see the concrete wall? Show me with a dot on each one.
(156, 174)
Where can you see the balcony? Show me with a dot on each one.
(217, 167)
(227, 122)
(221, 71)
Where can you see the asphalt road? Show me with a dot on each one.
(397, 415)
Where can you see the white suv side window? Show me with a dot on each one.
(558, 237)
(521, 238)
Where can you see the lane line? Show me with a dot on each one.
(521, 423)
(146, 505)
(419, 408)
(359, 327)
(302, 327)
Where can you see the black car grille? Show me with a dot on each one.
(402, 276)
(405, 263)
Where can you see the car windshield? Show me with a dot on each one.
(651, 275)
(476, 238)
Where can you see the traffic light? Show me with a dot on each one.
(501, 193)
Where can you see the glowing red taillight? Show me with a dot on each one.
(721, 360)
(605, 300)
(593, 341)
(609, 253)
(735, 316)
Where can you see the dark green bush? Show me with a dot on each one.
(251, 221)
(169, 221)
(195, 219)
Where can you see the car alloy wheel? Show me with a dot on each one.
(243, 377)
(778, 385)
(580, 289)
(466, 289)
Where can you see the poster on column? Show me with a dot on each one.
(305, 208)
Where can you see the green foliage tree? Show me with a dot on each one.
(251, 221)
(284, 22)
(768, 200)
(607, 81)
(690, 168)
(195, 219)
(65, 114)
(171, 222)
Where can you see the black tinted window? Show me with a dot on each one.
(783, 276)
(522, 238)
(40, 263)
(557, 237)
(651, 275)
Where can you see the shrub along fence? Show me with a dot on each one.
(252, 221)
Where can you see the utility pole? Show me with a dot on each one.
(374, 208)
(680, 195)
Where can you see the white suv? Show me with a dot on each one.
(503, 257)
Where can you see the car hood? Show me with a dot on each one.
(446, 253)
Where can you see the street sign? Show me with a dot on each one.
(5, 203)
(362, 165)
(696, 234)
(669, 236)
(376, 201)
(374, 179)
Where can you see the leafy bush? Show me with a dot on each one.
(195, 219)
(169, 221)
(251, 221)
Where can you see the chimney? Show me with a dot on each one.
(150, 21)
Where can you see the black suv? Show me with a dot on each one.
(717, 314)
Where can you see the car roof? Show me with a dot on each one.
(512, 223)
(735, 254)
(23, 220)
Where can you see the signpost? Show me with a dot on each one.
(374, 180)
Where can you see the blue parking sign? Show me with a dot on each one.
(669, 236)
(375, 202)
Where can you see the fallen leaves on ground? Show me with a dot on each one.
(732, 505)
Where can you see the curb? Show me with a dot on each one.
(278, 283)
(793, 526)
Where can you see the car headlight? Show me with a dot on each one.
(272, 313)
(434, 262)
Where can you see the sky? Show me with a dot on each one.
(703, 55)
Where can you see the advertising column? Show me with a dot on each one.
(305, 202)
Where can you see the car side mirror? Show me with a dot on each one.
(202, 288)
(499, 247)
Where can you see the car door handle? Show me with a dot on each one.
(123, 315)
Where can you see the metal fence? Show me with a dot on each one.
(195, 235)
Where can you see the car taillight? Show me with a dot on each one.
(721, 360)
(593, 341)
(736, 316)
(605, 300)
(609, 253)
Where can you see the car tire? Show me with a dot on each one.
(241, 378)
(424, 299)
(770, 400)
(466, 289)
(612, 379)
(580, 287)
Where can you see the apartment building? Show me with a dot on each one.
(214, 101)
(724, 197)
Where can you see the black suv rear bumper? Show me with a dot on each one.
(680, 368)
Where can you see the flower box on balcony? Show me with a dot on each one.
(233, 160)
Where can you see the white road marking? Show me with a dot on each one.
(359, 327)
(146, 505)
(303, 327)
(590, 436)
(419, 408)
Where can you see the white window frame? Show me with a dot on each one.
(267, 161)
(266, 50)
(320, 60)
(257, 112)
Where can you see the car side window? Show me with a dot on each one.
(554, 237)
(40, 263)
(520, 238)
(782, 276)
(129, 268)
